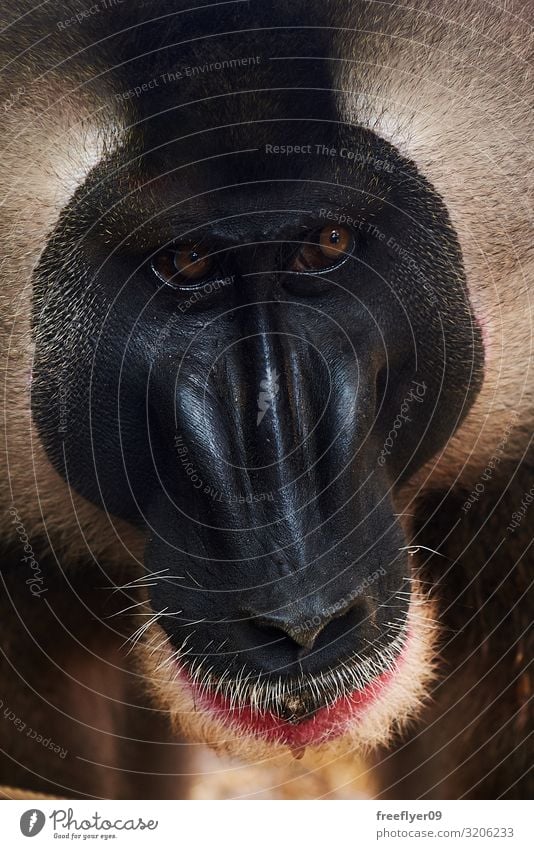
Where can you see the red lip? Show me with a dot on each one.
(326, 724)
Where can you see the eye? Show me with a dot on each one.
(325, 249)
(183, 265)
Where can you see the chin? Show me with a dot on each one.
(329, 714)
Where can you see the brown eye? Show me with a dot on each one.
(324, 250)
(183, 265)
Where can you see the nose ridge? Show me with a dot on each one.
(277, 396)
(246, 427)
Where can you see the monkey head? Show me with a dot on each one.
(252, 328)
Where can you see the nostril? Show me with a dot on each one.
(342, 626)
(302, 637)
(274, 638)
(315, 632)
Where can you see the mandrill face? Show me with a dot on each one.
(257, 316)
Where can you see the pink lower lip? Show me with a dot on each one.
(326, 724)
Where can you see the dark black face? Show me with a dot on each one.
(252, 326)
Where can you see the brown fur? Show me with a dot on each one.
(66, 677)
(475, 735)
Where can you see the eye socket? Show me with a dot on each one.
(183, 265)
(325, 250)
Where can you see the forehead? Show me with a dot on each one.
(179, 52)
(224, 109)
(227, 81)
